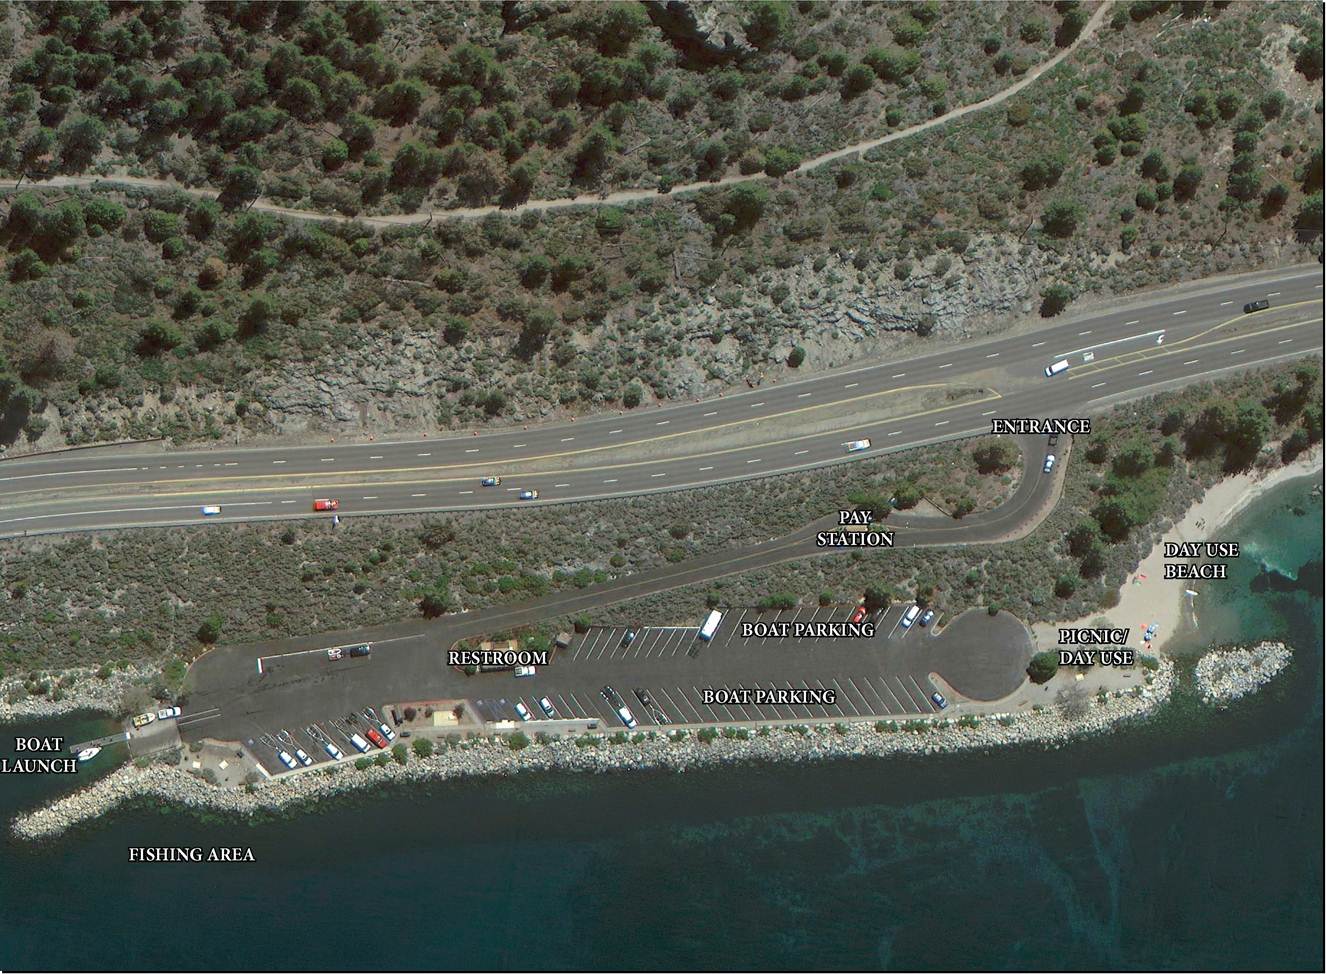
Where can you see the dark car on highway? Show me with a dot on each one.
(1259, 305)
(363, 650)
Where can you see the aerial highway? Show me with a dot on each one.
(1143, 343)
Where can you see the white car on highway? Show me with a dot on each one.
(529, 495)
(856, 446)
(209, 510)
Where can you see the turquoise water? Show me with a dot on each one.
(1193, 840)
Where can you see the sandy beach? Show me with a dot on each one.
(1147, 597)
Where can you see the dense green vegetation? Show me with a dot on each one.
(368, 105)
(135, 313)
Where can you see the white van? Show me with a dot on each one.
(910, 615)
(628, 718)
(1056, 368)
(360, 744)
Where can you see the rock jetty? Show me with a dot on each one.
(676, 751)
(1223, 675)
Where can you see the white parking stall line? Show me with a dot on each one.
(884, 706)
(736, 628)
(673, 704)
(605, 646)
(593, 643)
(690, 703)
(840, 698)
(912, 705)
(564, 709)
(778, 714)
(660, 643)
(713, 714)
(896, 707)
(924, 696)
(870, 708)
(584, 711)
(843, 698)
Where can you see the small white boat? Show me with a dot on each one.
(88, 753)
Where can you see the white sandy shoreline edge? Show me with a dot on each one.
(1147, 597)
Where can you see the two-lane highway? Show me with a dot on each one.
(1153, 340)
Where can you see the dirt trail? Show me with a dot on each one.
(600, 199)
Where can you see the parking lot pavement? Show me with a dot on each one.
(979, 656)
(887, 674)
(313, 737)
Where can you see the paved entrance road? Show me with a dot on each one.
(1168, 337)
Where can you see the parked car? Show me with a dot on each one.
(529, 495)
(304, 759)
(210, 509)
(628, 638)
(628, 718)
(387, 732)
(1054, 440)
(939, 700)
(334, 752)
(491, 482)
(142, 720)
(1260, 305)
(378, 740)
(1049, 464)
(326, 504)
(856, 446)
(525, 671)
(168, 714)
(859, 614)
(927, 617)
(909, 616)
(523, 712)
(287, 760)
(547, 707)
(360, 744)
(612, 696)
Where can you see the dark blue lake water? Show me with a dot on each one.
(1193, 840)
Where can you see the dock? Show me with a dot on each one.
(120, 738)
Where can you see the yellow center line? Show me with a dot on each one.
(1137, 358)
(260, 487)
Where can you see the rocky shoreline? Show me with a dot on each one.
(1224, 675)
(678, 752)
(82, 688)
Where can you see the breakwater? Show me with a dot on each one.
(676, 752)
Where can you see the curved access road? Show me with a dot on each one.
(598, 199)
(1165, 338)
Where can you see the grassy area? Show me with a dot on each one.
(159, 594)
(131, 314)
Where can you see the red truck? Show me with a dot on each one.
(376, 738)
